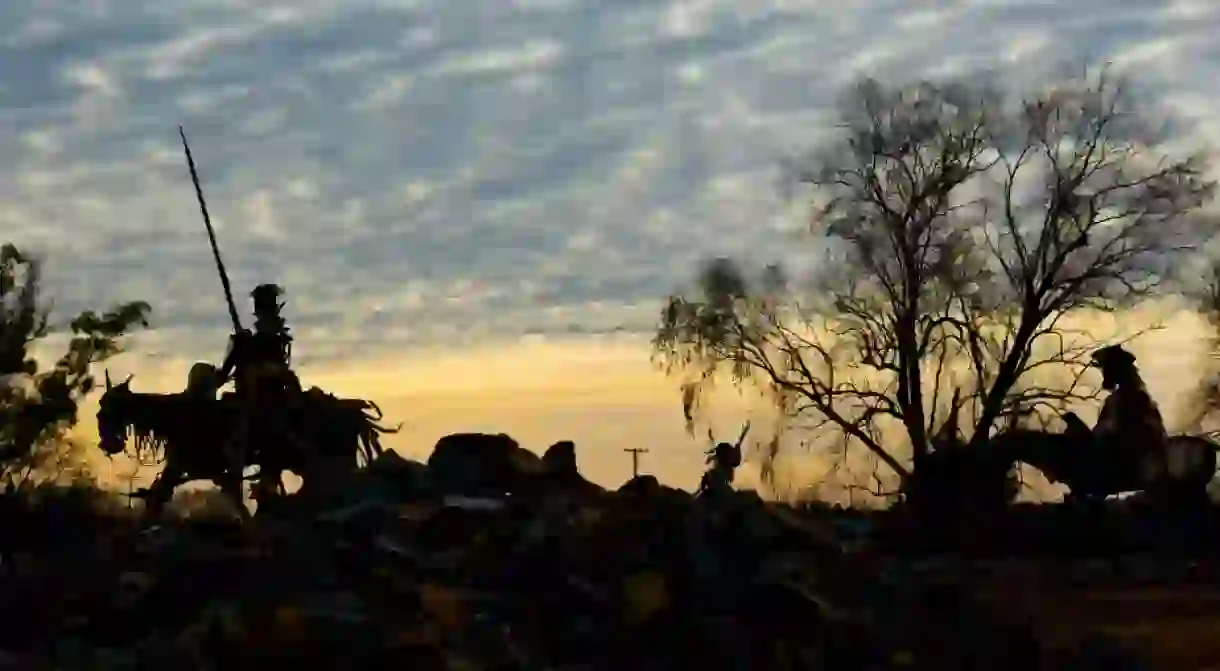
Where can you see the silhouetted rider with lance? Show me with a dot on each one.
(259, 363)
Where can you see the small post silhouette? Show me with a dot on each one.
(635, 460)
(131, 482)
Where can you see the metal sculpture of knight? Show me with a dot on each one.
(264, 354)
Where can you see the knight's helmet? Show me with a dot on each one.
(267, 300)
(267, 318)
(267, 307)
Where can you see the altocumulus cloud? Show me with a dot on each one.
(420, 170)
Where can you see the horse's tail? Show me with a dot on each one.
(370, 446)
(369, 409)
(373, 429)
(369, 438)
(377, 415)
(372, 414)
(381, 430)
(1205, 461)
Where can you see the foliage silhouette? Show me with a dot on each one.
(38, 406)
(961, 231)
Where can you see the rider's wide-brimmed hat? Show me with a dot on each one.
(1114, 355)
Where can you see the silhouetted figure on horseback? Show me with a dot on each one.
(265, 387)
(259, 361)
(1130, 432)
(259, 424)
(1129, 450)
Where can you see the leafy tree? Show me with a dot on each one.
(961, 230)
(38, 406)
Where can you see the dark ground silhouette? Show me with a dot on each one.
(405, 566)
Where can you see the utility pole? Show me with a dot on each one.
(635, 459)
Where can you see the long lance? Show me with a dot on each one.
(207, 221)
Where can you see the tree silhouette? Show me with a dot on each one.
(38, 406)
(961, 230)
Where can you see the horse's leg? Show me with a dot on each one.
(368, 444)
(235, 452)
(311, 455)
(231, 486)
(268, 488)
(161, 491)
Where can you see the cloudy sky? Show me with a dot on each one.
(423, 173)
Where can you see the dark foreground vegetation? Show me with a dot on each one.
(965, 229)
(393, 571)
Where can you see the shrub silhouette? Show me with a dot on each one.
(38, 406)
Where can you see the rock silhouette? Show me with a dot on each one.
(481, 464)
(560, 459)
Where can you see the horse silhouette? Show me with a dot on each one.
(1090, 471)
(1128, 451)
(198, 438)
(982, 477)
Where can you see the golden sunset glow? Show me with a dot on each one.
(607, 396)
